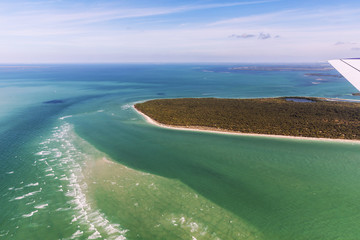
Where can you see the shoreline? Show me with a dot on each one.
(228, 132)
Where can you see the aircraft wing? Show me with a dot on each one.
(349, 68)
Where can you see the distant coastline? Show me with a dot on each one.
(235, 132)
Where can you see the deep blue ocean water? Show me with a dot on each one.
(77, 162)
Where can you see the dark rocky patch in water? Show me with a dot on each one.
(55, 101)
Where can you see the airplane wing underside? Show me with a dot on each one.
(350, 69)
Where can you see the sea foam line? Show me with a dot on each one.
(42, 206)
(30, 214)
(64, 162)
(32, 184)
(28, 194)
(62, 118)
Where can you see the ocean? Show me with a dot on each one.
(77, 162)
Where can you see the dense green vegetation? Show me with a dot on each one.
(320, 118)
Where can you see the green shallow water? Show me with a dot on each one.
(281, 188)
(89, 167)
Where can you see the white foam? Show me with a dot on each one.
(101, 110)
(43, 153)
(42, 206)
(194, 227)
(45, 142)
(63, 209)
(30, 214)
(95, 235)
(77, 234)
(62, 118)
(74, 219)
(3, 233)
(64, 160)
(126, 106)
(58, 154)
(29, 203)
(10, 172)
(111, 229)
(28, 194)
(120, 238)
(32, 184)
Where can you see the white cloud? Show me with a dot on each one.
(252, 18)
(339, 43)
(299, 18)
(92, 15)
(264, 36)
(260, 36)
(243, 36)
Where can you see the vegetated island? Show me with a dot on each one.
(286, 116)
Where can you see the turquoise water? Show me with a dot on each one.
(77, 162)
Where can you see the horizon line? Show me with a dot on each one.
(190, 62)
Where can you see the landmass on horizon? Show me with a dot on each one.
(285, 116)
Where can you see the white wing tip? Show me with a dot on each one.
(349, 69)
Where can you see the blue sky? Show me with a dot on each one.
(94, 31)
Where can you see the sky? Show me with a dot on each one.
(167, 31)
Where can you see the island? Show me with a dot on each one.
(283, 116)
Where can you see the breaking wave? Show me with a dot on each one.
(63, 163)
